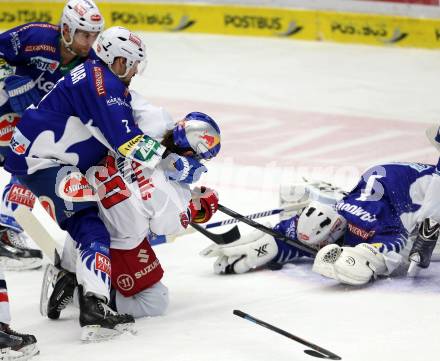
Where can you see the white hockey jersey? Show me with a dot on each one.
(135, 201)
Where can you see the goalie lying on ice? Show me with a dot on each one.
(359, 237)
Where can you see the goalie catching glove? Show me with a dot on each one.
(355, 265)
(254, 250)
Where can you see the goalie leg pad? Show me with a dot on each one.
(254, 250)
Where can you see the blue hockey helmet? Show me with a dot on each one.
(199, 132)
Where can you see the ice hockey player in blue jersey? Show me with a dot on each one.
(33, 57)
(429, 228)
(373, 223)
(87, 113)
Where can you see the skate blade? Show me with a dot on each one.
(413, 269)
(24, 354)
(96, 333)
(49, 277)
(22, 264)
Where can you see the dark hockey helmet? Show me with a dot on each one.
(199, 132)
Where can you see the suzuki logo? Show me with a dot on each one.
(143, 256)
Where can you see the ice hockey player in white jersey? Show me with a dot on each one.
(373, 222)
(136, 202)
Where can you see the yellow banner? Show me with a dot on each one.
(242, 20)
(14, 13)
(379, 30)
(211, 19)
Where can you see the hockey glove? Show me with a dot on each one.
(203, 205)
(22, 92)
(184, 169)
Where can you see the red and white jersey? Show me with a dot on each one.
(133, 200)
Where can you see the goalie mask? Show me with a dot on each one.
(200, 133)
(319, 224)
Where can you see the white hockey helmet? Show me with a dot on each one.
(319, 224)
(120, 42)
(81, 15)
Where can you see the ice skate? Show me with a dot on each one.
(423, 246)
(98, 321)
(15, 255)
(15, 346)
(56, 291)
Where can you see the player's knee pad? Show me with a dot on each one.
(357, 266)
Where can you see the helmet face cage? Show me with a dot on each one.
(199, 132)
(121, 42)
(320, 224)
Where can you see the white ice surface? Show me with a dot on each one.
(286, 109)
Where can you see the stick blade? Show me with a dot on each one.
(222, 238)
(320, 355)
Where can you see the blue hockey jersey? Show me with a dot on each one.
(34, 49)
(382, 209)
(86, 113)
(8, 121)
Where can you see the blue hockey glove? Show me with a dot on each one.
(22, 92)
(184, 169)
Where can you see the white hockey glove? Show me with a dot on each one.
(253, 250)
(325, 260)
(351, 265)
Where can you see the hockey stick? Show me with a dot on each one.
(317, 351)
(262, 214)
(250, 222)
(233, 234)
(224, 238)
(26, 218)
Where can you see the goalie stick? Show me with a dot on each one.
(32, 226)
(262, 214)
(233, 234)
(317, 351)
(250, 222)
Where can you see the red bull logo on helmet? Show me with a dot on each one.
(210, 140)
